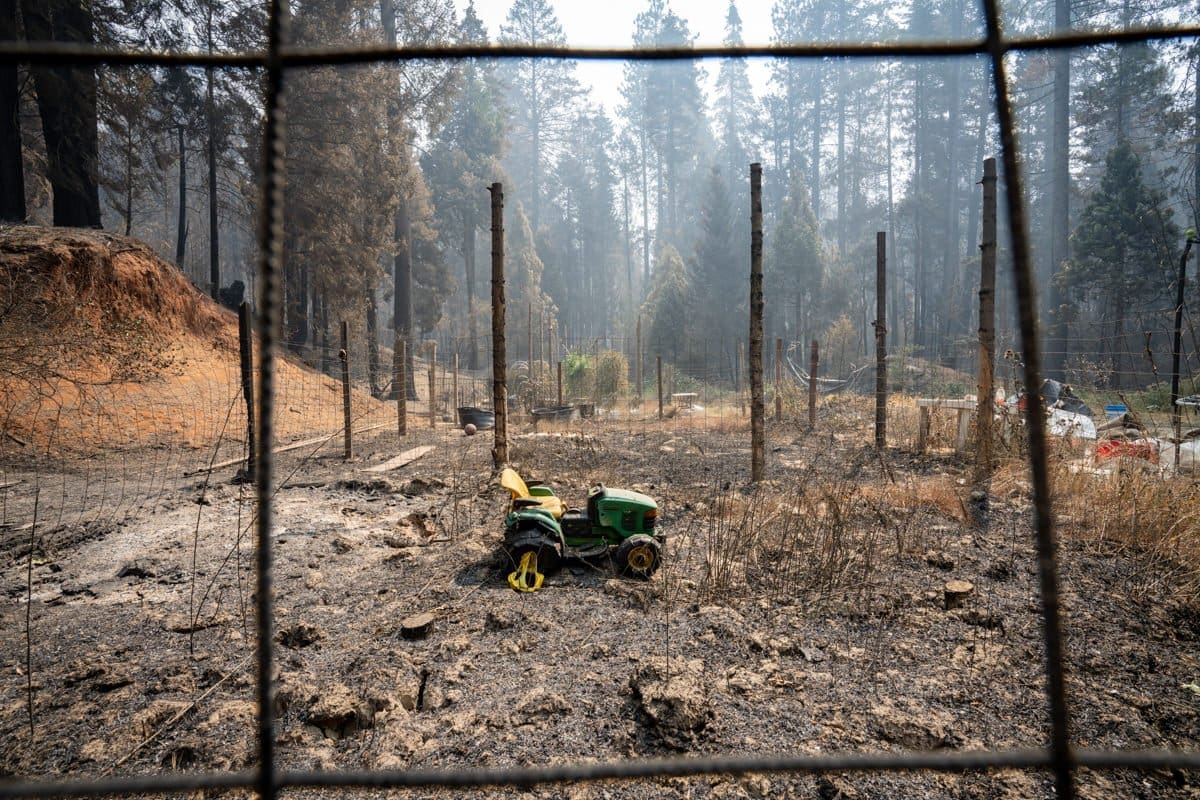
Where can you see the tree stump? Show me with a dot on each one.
(417, 626)
(956, 593)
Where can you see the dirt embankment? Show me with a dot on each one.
(104, 346)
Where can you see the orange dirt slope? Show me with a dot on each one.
(104, 346)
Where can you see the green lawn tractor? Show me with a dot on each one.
(540, 531)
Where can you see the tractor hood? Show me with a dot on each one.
(627, 499)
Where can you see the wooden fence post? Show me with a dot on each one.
(637, 358)
(987, 325)
(246, 351)
(757, 431)
(560, 398)
(881, 391)
(433, 383)
(778, 379)
(660, 388)
(399, 379)
(499, 377)
(812, 386)
(344, 355)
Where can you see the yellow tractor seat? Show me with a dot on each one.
(537, 496)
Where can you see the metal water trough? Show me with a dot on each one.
(481, 418)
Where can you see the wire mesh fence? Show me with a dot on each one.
(298, 404)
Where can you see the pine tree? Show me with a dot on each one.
(667, 307)
(718, 300)
(465, 155)
(543, 93)
(794, 271)
(734, 103)
(1122, 246)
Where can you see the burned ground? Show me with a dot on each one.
(807, 614)
(833, 637)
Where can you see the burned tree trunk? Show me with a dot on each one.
(12, 172)
(67, 105)
(499, 357)
(757, 433)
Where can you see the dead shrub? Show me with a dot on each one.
(819, 539)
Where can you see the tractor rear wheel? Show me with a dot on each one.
(639, 556)
(549, 559)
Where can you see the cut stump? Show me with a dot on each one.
(417, 626)
(956, 593)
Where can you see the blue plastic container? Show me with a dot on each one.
(1115, 410)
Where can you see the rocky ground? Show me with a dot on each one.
(807, 616)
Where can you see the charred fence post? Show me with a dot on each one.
(881, 390)
(1176, 346)
(658, 359)
(637, 360)
(813, 363)
(456, 402)
(246, 352)
(778, 379)
(344, 355)
(987, 334)
(499, 378)
(433, 383)
(757, 433)
(399, 364)
(560, 400)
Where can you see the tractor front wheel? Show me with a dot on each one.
(639, 556)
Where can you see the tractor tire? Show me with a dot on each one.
(549, 558)
(639, 556)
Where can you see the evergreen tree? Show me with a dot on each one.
(667, 307)
(735, 106)
(718, 299)
(794, 271)
(543, 93)
(664, 107)
(66, 98)
(465, 155)
(581, 250)
(1122, 245)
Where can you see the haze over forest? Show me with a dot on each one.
(644, 211)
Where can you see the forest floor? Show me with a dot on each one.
(803, 615)
(831, 638)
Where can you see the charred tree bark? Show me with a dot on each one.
(499, 357)
(881, 339)
(987, 323)
(757, 431)
(373, 345)
(181, 225)
(12, 171)
(214, 240)
(67, 105)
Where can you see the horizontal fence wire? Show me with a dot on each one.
(1060, 758)
(1140, 760)
(15, 52)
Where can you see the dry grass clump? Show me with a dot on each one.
(1127, 506)
(1136, 510)
(820, 538)
(936, 493)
